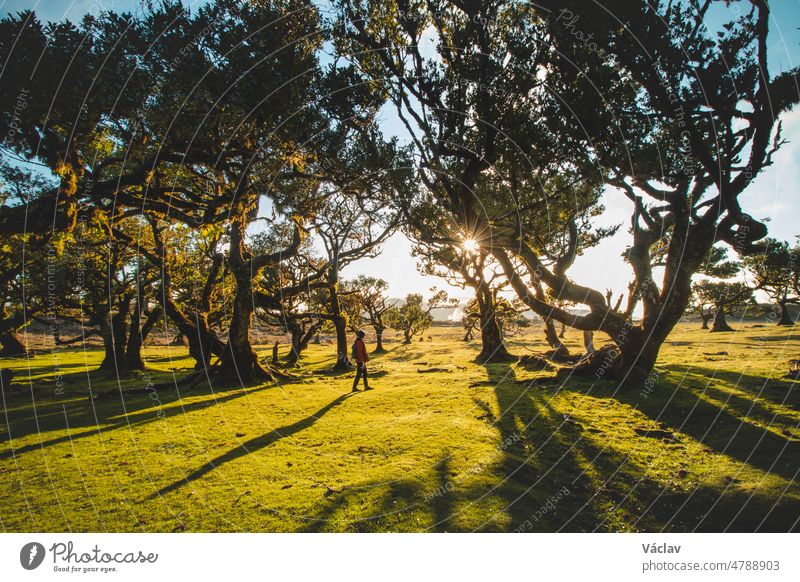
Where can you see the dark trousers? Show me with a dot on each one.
(361, 371)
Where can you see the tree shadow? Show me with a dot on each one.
(745, 406)
(715, 427)
(400, 497)
(639, 503)
(778, 391)
(253, 445)
(607, 491)
(539, 457)
(101, 416)
(22, 373)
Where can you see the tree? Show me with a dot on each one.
(289, 293)
(350, 228)
(193, 289)
(190, 139)
(371, 294)
(706, 123)
(414, 316)
(474, 112)
(703, 309)
(351, 307)
(507, 315)
(491, 152)
(140, 330)
(461, 262)
(724, 296)
(716, 265)
(695, 116)
(98, 280)
(776, 271)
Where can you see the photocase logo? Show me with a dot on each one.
(31, 555)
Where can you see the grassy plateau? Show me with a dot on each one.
(441, 444)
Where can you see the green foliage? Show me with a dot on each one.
(718, 265)
(414, 316)
(507, 313)
(723, 294)
(776, 269)
(411, 318)
(370, 294)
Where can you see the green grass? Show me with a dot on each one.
(715, 445)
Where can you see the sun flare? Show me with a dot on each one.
(470, 245)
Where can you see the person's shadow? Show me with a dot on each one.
(254, 445)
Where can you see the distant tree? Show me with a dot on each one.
(724, 296)
(703, 309)
(462, 263)
(776, 271)
(288, 295)
(373, 300)
(98, 282)
(718, 265)
(507, 314)
(193, 288)
(350, 229)
(471, 320)
(414, 316)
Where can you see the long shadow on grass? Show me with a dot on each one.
(255, 444)
(388, 503)
(777, 391)
(442, 502)
(393, 506)
(678, 409)
(133, 410)
(740, 398)
(648, 505)
(611, 492)
(539, 458)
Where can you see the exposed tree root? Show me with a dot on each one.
(605, 363)
(536, 363)
(562, 356)
(498, 357)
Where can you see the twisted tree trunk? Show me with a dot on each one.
(379, 349)
(239, 360)
(114, 330)
(559, 350)
(12, 345)
(785, 317)
(138, 334)
(493, 347)
(720, 322)
(300, 339)
(340, 325)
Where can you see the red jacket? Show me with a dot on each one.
(361, 352)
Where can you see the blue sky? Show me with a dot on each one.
(773, 195)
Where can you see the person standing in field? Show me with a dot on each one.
(361, 358)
